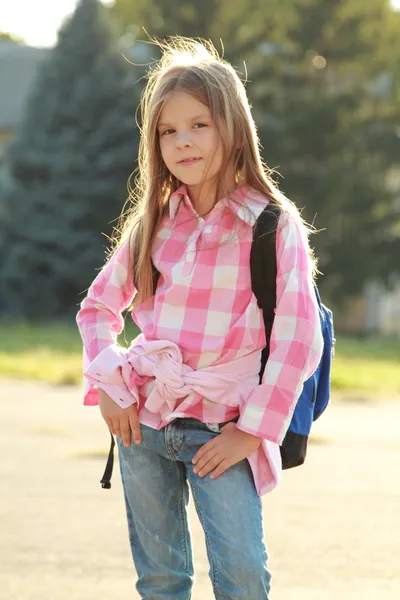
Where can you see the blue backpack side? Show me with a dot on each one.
(314, 398)
(316, 390)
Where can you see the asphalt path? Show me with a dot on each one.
(332, 527)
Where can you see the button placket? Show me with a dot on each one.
(191, 251)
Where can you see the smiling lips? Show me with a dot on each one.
(186, 162)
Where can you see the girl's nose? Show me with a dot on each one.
(183, 141)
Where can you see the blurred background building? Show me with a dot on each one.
(18, 66)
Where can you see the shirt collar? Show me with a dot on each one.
(175, 200)
(246, 198)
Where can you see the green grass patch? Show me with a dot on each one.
(94, 453)
(52, 352)
(369, 365)
(48, 430)
(318, 440)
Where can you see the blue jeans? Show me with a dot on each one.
(155, 476)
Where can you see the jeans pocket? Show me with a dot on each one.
(214, 427)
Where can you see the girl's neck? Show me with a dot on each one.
(203, 198)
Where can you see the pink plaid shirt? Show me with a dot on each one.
(202, 332)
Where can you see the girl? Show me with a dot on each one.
(185, 400)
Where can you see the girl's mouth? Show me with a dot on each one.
(186, 162)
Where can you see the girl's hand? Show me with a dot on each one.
(225, 450)
(120, 421)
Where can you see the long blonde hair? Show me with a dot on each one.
(196, 68)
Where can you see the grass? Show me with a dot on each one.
(368, 365)
(53, 353)
(48, 430)
(94, 453)
(50, 352)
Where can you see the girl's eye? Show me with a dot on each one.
(200, 125)
(168, 132)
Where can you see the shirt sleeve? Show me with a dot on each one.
(296, 342)
(99, 321)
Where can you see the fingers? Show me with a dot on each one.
(134, 424)
(207, 463)
(222, 467)
(204, 450)
(116, 427)
(217, 455)
(125, 432)
(215, 463)
(110, 426)
(123, 425)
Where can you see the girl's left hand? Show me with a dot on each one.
(225, 450)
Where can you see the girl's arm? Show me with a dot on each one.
(296, 339)
(100, 321)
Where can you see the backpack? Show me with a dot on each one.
(316, 390)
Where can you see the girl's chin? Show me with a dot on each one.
(190, 181)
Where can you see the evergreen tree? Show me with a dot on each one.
(327, 109)
(65, 173)
(239, 24)
(324, 85)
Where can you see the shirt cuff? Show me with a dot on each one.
(112, 372)
(259, 419)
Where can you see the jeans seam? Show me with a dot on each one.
(214, 579)
(180, 431)
(183, 520)
(172, 452)
(168, 446)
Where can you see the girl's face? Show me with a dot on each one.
(189, 141)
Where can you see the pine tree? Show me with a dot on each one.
(65, 173)
(234, 26)
(324, 86)
(325, 102)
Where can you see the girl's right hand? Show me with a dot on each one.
(120, 421)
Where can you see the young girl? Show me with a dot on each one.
(185, 400)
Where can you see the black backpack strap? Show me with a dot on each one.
(263, 269)
(106, 479)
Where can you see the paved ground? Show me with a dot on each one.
(332, 526)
